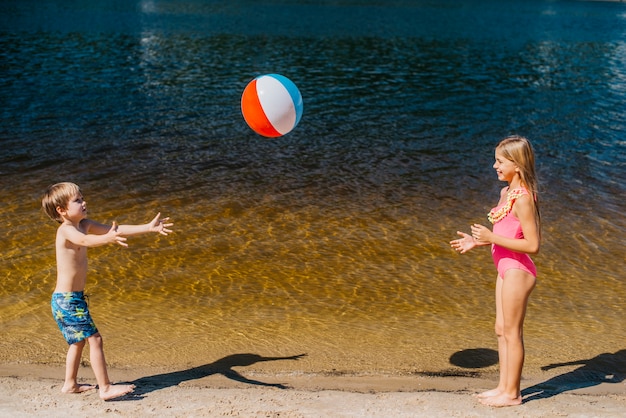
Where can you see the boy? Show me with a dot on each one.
(63, 202)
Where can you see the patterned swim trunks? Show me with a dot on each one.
(71, 313)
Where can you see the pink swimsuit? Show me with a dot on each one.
(509, 226)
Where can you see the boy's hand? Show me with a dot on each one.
(160, 225)
(114, 235)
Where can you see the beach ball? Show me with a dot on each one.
(271, 105)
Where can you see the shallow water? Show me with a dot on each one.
(332, 240)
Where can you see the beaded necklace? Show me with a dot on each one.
(496, 215)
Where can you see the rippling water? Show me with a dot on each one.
(332, 240)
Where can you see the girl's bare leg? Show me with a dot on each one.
(98, 363)
(502, 351)
(516, 289)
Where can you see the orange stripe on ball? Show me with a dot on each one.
(253, 112)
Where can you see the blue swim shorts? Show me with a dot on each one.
(72, 315)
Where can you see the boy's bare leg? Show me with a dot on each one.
(72, 363)
(98, 364)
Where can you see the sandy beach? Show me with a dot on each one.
(34, 390)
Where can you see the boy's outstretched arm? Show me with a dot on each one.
(158, 225)
(110, 236)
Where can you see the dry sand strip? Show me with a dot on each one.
(33, 391)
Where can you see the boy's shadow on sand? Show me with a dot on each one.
(605, 368)
(223, 366)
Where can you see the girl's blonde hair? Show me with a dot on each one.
(519, 150)
(58, 196)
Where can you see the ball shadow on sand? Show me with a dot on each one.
(474, 358)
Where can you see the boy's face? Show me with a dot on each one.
(76, 209)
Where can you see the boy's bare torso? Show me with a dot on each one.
(71, 262)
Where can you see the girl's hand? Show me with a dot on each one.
(160, 225)
(463, 244)
(481, 234)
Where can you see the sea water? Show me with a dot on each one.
(332, 240)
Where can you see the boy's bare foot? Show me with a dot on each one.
(502, 400)
(115, 391)
(77, 388)
(488, 393)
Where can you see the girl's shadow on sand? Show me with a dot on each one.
(223, 366)
(605, 368)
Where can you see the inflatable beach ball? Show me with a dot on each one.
(271, 105)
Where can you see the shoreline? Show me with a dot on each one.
(34, 390)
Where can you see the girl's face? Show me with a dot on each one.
(76, 209)
(505, 168)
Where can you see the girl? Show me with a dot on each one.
(516, 233)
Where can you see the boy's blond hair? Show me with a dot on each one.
(58, 196)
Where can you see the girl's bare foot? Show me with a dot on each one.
(502, 400)
(115, 391)
(77, 388)
(489, 393)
